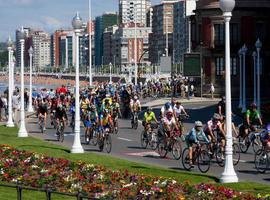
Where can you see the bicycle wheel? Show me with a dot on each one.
(177, 149)
(185, 159)
(135, 126)
(204, 161)
(243, 144)
(162, 149)
(261, 161)
(108, 143)
(94, 140)
(61, 136)
(116, 127)
(154, 141)
(236, 154)
(86, 138)
(144, 141)
(220, 156)
(256, 144)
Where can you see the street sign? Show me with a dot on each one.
(192, 64)
(165, 64)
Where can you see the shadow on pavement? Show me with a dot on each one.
(136, 147)
(51, 140)
(248, 171)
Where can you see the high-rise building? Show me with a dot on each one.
(129, 8)
(182, 13)
(108, 44)
(101, 23)
(27, 44)
(42, 49)
(162, 28)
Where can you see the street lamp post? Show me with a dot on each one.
(22, 131)
(110, 72)
(229, 175)
(90, 44)
(241, 79)
(135, 47)
(30, 107)
(254, 55)
(244, 51)
(77, 147)
(10, 122)
(258, 47)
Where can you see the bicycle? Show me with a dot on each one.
(134, 121)
(150, 137)
(105, 139)
(41, 123)
(253, 138)
(200, 157)
(60, 131)
(262, 160)
(115, 123)
(171, 144)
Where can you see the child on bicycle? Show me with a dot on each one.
(194, 136)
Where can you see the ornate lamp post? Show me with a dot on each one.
(22, 131)
(258, 47)
(77, 147)
(244, 51)
(90, 43)
(241, 79)
(30, 107)
(10, 122)
(229, 175)
(254, 55)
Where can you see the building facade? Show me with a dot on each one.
(250, 21)
(162, 28)
(124, 45)
(101, 23)
(108, 45)
(129, 8)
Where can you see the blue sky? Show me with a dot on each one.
(47, 14)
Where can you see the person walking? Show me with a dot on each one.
(212, 90)
(191, 90)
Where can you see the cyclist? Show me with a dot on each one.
(61, 115)
(91, 119)
(169, 124)
(149, 117)
(194, 136)
(53, 109)
(106, 120)
(252, 117)
(165, 109)
(266, 138)
(42, 111)
(221, 106)
(135, 106)
(216, 124)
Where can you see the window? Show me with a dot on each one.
(219, 62)
(260, 31)
(219, 34)
(233, 66)
(234, 33)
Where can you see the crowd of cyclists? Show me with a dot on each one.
(102, 105)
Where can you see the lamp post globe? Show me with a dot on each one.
(10, 122)
(77, 22)
(227, 5)
(228, 175)
(77, 146)
(258, 44)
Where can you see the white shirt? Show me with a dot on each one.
(178, 111)
(164, 111)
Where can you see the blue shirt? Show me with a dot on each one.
(192, 135)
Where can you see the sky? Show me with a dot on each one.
(47, 15)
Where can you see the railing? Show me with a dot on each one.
(48, 192)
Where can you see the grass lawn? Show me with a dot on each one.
(9, 136)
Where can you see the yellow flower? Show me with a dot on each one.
(160, 190)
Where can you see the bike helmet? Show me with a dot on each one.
(167, 105)
(253, 105)
(60, 107)
(149, 109)
(135, 97)
(198, 124)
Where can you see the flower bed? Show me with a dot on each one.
(39, 171)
